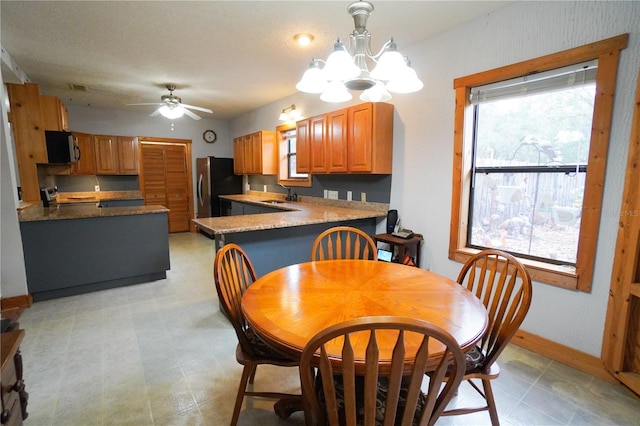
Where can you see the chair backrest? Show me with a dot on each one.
(395, 383)
(233, 273)
(343, 242)
(503, 285)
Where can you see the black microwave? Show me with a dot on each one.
(61, 148)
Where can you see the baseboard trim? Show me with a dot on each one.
(563, 354)
(24, 301)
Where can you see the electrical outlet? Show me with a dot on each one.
(333, 195)
(349, 196)
(363, 197)
(97, 188)
(264, 188)
(326, 194)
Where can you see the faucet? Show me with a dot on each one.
(289, 197)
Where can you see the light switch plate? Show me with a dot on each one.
(97, 188)
(333, 195)
(349, 196)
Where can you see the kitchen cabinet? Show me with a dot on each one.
(116, 155)
(311, 149)
(255, 153)
(27, 123)
(54, 113)
(357, 139)
(337, 140)
(239, 209)
(370, 139)
(86, 165)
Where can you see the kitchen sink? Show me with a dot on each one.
(272, 201)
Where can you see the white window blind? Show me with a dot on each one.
(557, 79)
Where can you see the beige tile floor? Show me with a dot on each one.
(161, 353)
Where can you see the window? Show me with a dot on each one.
(287, 174)
(530, 152)
(530, 146)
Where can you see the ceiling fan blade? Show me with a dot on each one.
(155, 113)
(191, 114)
(197, 108)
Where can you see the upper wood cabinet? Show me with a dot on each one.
(357, 139)
(116, 155)
(127, 155)
(370, 138)
(86, 165)
(54, 113)
(337, 140)
(255, 154)
(27, 124)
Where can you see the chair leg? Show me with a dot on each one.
(491, 403)
(246, 372)
(253, 373)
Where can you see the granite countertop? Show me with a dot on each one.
(82, 211)
(97, 196)
(306, 211)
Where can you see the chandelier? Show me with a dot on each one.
(346, 69)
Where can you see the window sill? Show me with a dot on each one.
(557, 275)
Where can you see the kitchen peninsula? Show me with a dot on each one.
(278, 233)
(77, 248)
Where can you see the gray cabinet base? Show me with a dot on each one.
(67, 257)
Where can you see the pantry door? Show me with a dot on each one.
(165, 178)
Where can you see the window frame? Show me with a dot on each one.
(283, 159)
(607, 52)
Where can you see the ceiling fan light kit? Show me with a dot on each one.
(171, 106)
(346, 69)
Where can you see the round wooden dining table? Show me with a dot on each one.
(288, 306)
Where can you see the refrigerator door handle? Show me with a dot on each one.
(200, 190)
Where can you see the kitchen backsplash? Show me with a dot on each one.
(86, 183)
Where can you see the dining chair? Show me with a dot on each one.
(360, 388)
(343, 242)
(503, 285)
(233, 274)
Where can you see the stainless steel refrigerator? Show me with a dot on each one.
(215, 177)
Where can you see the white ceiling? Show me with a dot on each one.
(230, 56)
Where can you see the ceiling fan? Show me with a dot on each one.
(171, 106)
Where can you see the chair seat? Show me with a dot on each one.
(261, 348)
(381, 398)
(474, 359)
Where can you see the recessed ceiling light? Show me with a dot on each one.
(303, 39)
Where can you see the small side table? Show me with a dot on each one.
(403, 246)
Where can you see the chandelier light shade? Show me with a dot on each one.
(347, 69)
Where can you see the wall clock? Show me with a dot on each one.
(209, 136)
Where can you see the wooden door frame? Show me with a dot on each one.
(170, 141)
